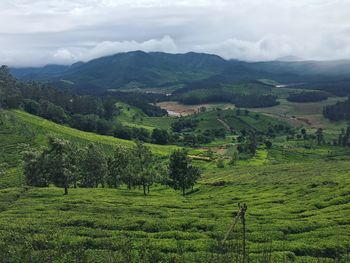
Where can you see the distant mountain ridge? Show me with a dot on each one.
(138, 69)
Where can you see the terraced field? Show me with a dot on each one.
(296, 213)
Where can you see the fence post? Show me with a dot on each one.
(243, 211)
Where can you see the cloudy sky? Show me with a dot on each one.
(38, 32)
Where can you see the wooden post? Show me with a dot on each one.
(240, 215)
(243, 211)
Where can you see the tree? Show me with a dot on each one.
(119, 168)
(304, 133)
(31, 106)
(53, 112)
(319, 136)
(94, 167)
(220, 163)
(251, 143)
(182, 174)
(268, 144)
(56, 164)
(61, 162)
(34, 169)
(234, 158)
(109, 108)
(10, 95)
(144, 165)
(160, 136)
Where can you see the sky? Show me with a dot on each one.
(40, 32)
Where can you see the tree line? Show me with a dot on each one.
(93, 114)
(310, 96)
(87, 113)
(338, 112)
(343, 138)
(65, 165)
(221, 95)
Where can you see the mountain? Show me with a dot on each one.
(135, 69)
(43, 73)
(138, 69)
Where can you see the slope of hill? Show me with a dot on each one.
(20, 131)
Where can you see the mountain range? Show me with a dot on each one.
(138, 69)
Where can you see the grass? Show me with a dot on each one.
(228, 119)
(297, 213)
(42, 127)
(304, 114)
(134, 117)
(298, 203)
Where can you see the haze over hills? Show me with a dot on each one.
(138, 69)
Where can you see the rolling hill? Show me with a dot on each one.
(20, 131)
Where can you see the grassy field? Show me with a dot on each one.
(297, 212)
(134, 117)
(304, 114)
(230, 120)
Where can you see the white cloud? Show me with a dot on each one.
(36, 32)
(71, 55)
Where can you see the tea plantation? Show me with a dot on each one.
(298, 208)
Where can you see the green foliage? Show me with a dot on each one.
(244, 95)
(337, 112)
(160, 136)
(35, 169)
(220, 163)
(119, 167)
(234, 157)
(143, 166)
(181, 173)
(311, 96)
(57, 164)
(10, 95)
(93, 167)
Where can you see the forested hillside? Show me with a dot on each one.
(172, 71)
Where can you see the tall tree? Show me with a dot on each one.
(10, 95)
(144, 159)
(109, 108)
(319, 136)
(119, 170)
(34, 169)
(181, 173)
(94, 167)
(160, 136)
(61, 162)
